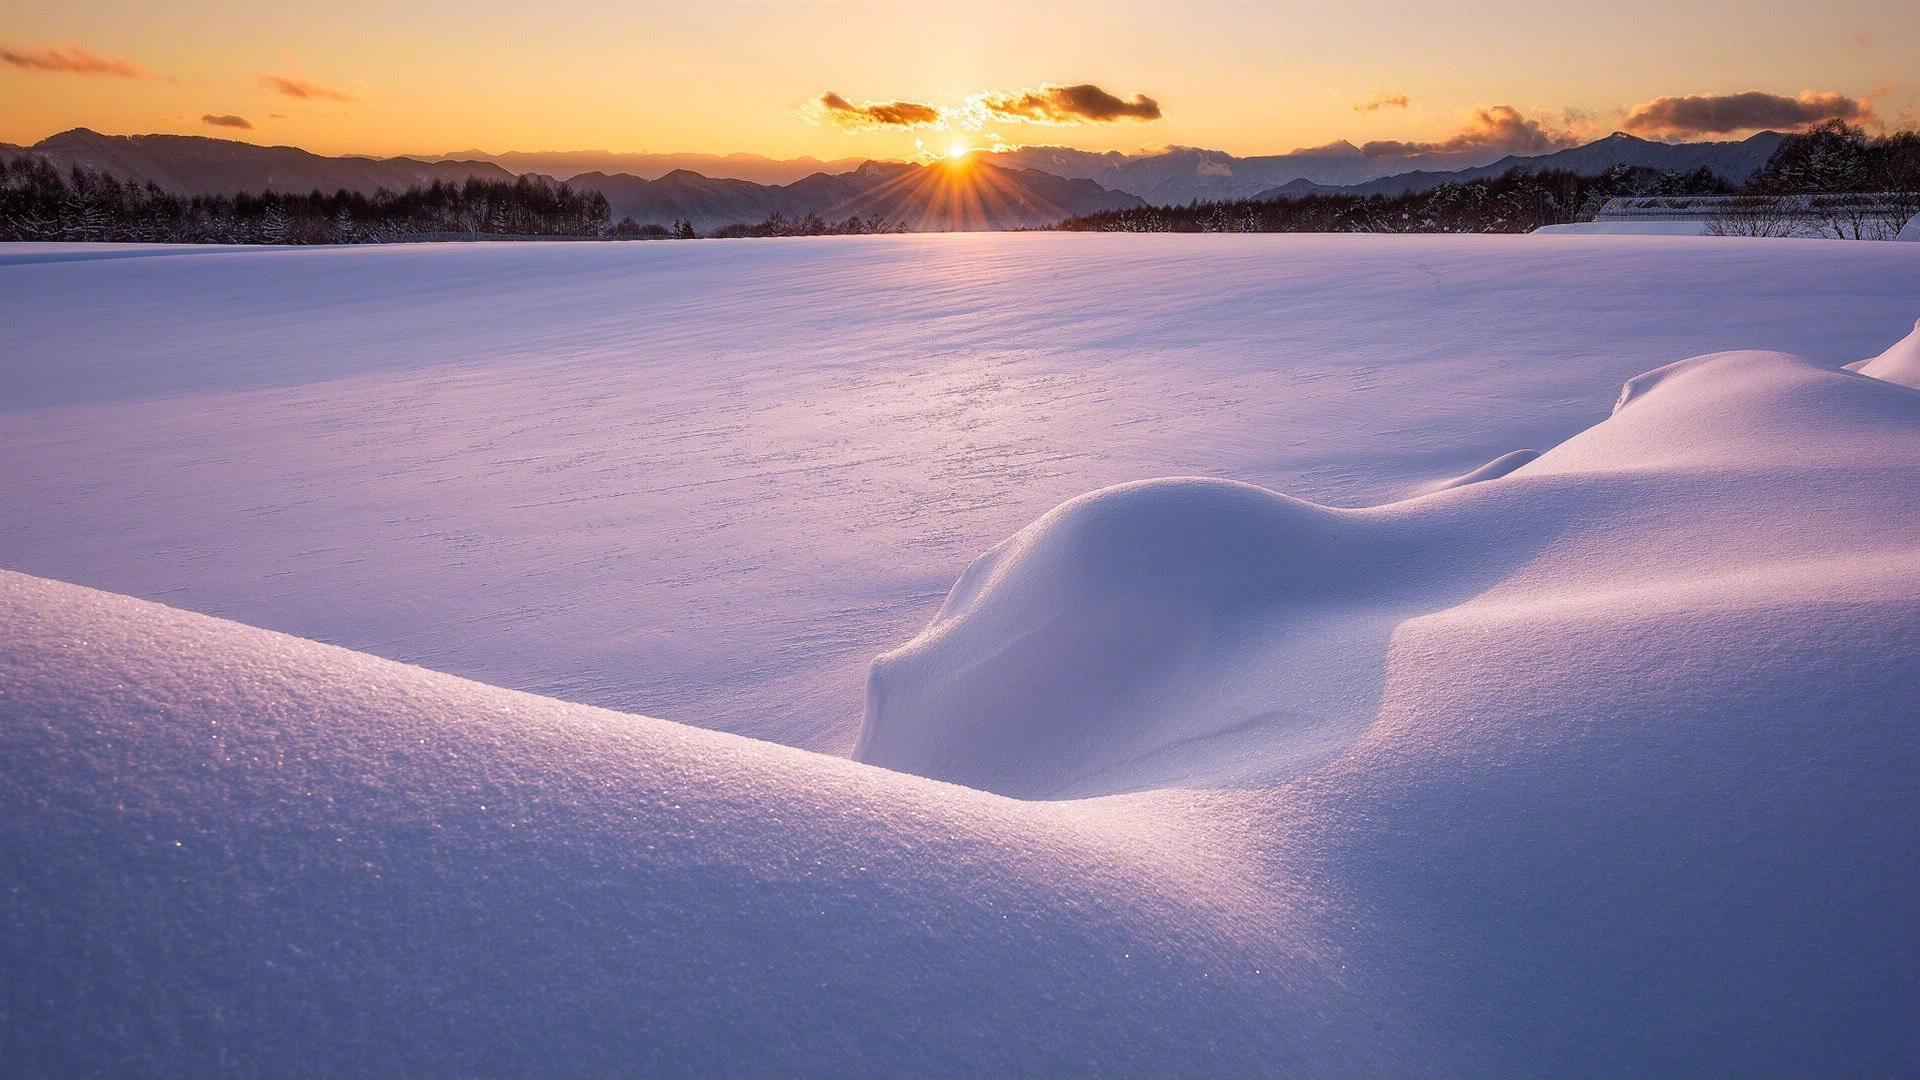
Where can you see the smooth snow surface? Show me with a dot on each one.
(712, 481)
(1603, 767)
(230, 851)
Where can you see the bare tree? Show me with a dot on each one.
(1757, 215)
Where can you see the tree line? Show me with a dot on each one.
(39, 202)
(1519, 201)
(812, 224)
(1824, 161)
(1839, 158)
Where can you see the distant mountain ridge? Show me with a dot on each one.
(943, 195)
(1735, 162)
(1180, 175)
(566, 164)
(196, 165)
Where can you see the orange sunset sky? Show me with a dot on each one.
(437, 76)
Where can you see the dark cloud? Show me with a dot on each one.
(1499, 129)
(72, 60)
(1742, 112)
(1396, 101)
(300, 88)
(1078, 104)
(874, 114)
(226, 120)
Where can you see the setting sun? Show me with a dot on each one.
(958, 150)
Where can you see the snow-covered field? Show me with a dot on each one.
(1602, 762)
(711, 482)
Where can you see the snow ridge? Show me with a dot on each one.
(1899, 364)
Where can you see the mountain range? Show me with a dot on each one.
(567, 164)
(1734, 162)
(1181, 174)
(194, 165)
(943, 195)
(1023, 188)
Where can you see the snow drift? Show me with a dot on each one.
(1899, 364)
(1197, 612)
(1604, 766)
(1492, 470)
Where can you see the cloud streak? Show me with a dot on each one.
(302, 89)
(877, 114)
(1499, 128)
(1081, 103)
(1048, 104)
(1720, 114)
(226, 120)
(71, 60)
(1395, 101)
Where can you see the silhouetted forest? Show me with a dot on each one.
(778, 224)
(1837, 157)
(1520, 201)
(38, 202)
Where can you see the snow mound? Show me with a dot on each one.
(1911, 230)
(1899, 364)
(1194, 613)
(1065, 649)
(1738, 410)
(1492, 470)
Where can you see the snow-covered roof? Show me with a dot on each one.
(1850, 216)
